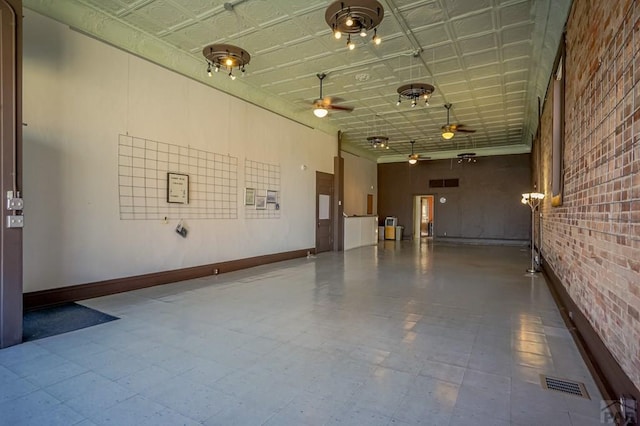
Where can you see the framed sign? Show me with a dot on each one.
(272, 196)
(249, 197)
(177, 188)
(261, 202)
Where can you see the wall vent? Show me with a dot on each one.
(443, 183)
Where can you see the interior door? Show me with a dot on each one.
(10, 170)
(324, 212)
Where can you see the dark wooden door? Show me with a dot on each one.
(324, 212)
(10, 170)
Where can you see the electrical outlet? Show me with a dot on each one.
(15, 221)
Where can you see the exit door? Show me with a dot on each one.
(324, 212)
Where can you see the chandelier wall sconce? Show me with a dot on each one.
(226, 57)
(415, 92)
(353, 17)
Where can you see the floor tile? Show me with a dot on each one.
(397, 334)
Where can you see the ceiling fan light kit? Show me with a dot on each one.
(449, 130)
(226, 57)
(323, 104)
(413, 158)
(355, 17)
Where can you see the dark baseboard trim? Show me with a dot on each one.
(56, 296)
(609, 376)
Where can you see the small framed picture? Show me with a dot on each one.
(177, 188)
(272, 196)
(261, 202)
(249, 197)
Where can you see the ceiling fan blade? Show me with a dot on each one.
(328, 100)
(340, 108)
(465, 130)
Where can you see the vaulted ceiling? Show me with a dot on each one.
(491, 59)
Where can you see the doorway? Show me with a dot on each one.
(324, 212)
(423, 220)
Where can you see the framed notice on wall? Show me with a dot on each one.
(177, 188)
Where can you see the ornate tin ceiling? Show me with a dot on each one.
(491, 59)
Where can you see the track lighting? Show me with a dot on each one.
(415, 91)
(225, 56)
(351, 45)
(376, 38)
(354, 17)
(349, 21)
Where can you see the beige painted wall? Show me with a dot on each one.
(360, 179)
(79, 95)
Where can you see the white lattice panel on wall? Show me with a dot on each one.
(262, 177)
(142, 179)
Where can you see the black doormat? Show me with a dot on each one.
(60, 319)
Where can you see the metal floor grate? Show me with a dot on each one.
(564, 386)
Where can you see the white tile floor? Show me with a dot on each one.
(400, 333)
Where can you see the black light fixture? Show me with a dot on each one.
(355, 17)
(227, 57)
(415, 92)
(379, 141)
(469, 157)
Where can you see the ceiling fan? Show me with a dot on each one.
(323, 104)
(414, 158)
(449, 129)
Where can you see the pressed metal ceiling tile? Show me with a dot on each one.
(475, 60)
(516, 13)
(423, 15)
(463, 7)
(478, 53)
(476, 44)
(433, 35)
(514, 51)
(484, 71)
(109, 6)
(518, 33)
(163, 14)
(143, 23)
(196, 7)
(473, 25)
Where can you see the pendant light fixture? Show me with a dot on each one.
(378, 141)
(415, 91)
(355, 17)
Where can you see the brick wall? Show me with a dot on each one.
(592, 241)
